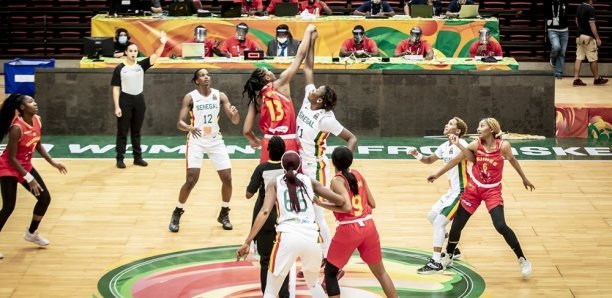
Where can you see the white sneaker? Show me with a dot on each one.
(525, 266)
(446, 260)
(35, 238)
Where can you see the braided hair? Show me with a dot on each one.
(254, 84)
(7, 112)
(342, 158)
(276, 148)
(291, 162)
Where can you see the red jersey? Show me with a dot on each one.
(30, 135)
(493, 48)
(489, 166)
(419, 48)
(237, 48)
(367, 45)
(277, 116)
(304, 5)
(255, 5)
(359, 201)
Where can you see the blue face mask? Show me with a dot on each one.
(123, 39)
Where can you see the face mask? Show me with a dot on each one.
(358, 38)
(123, 39)
(200, 35)
(484, 37)
(241, 35)
(281, 39)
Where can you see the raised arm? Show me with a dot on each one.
(286, 76)
(160, 49)
(249, 123)
(350, 138)
(309, 62)
(506, 150)
(230, 111)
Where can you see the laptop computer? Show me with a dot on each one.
(421, 11)
(284, 9)
(193, 50)
(468, 11)
(231, 10)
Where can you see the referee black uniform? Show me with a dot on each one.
(131, 101)
(264, 240)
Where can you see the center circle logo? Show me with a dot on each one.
(213, 272)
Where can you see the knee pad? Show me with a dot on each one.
(331, 281)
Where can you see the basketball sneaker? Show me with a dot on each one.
(525, 266)
(224, 218)
(456, 253)
(175, 220)
(35, 238)
(431, 267)
(447, 260)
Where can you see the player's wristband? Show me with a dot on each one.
(419, 156)
(28, 177)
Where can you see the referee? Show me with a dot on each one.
(128, 97)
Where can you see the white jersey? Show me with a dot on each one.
(457, 176)
(205, 112)
(290, 221)
(313, 128)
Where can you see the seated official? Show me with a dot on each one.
(122, 41)
(272, 5)
(485, 46)
(283, 45)
(315, 7)
(251, 7)
(235, 45)
(210, 46)
(437, 6)
(414, 46)
(360, 45)
(455, 5)
(374, 8)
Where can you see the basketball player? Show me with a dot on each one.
(315, 122)
(487, 153)
(262, 175)
(203, 105)
(297, 232)
(443, 211)
(18, 119)
(274, 96)
(356, 229)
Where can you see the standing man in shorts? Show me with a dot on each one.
(587, 43)
(203, 106)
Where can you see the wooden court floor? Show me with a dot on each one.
(101, 217)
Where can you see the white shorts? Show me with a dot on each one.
(447, 203)
(318, 170)
(214, 149)
(290, 246)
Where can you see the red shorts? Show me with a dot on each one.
(474, 195)
(290, 144)
(353, 236)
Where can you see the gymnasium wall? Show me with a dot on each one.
(370, 102)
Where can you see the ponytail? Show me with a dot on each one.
(290, 163)
(352, 181)
(7, 112)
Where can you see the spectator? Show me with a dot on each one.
(587, 43)
(272, 5)
(414, 45)
(235, 45)
(485, 46)
(283, 44)
(360, 45)
(437, 6)
(455, 5)
(558, 33)
(122, 40)
(251, 7)
(317, 7)
(210, 46)
(374, 8)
